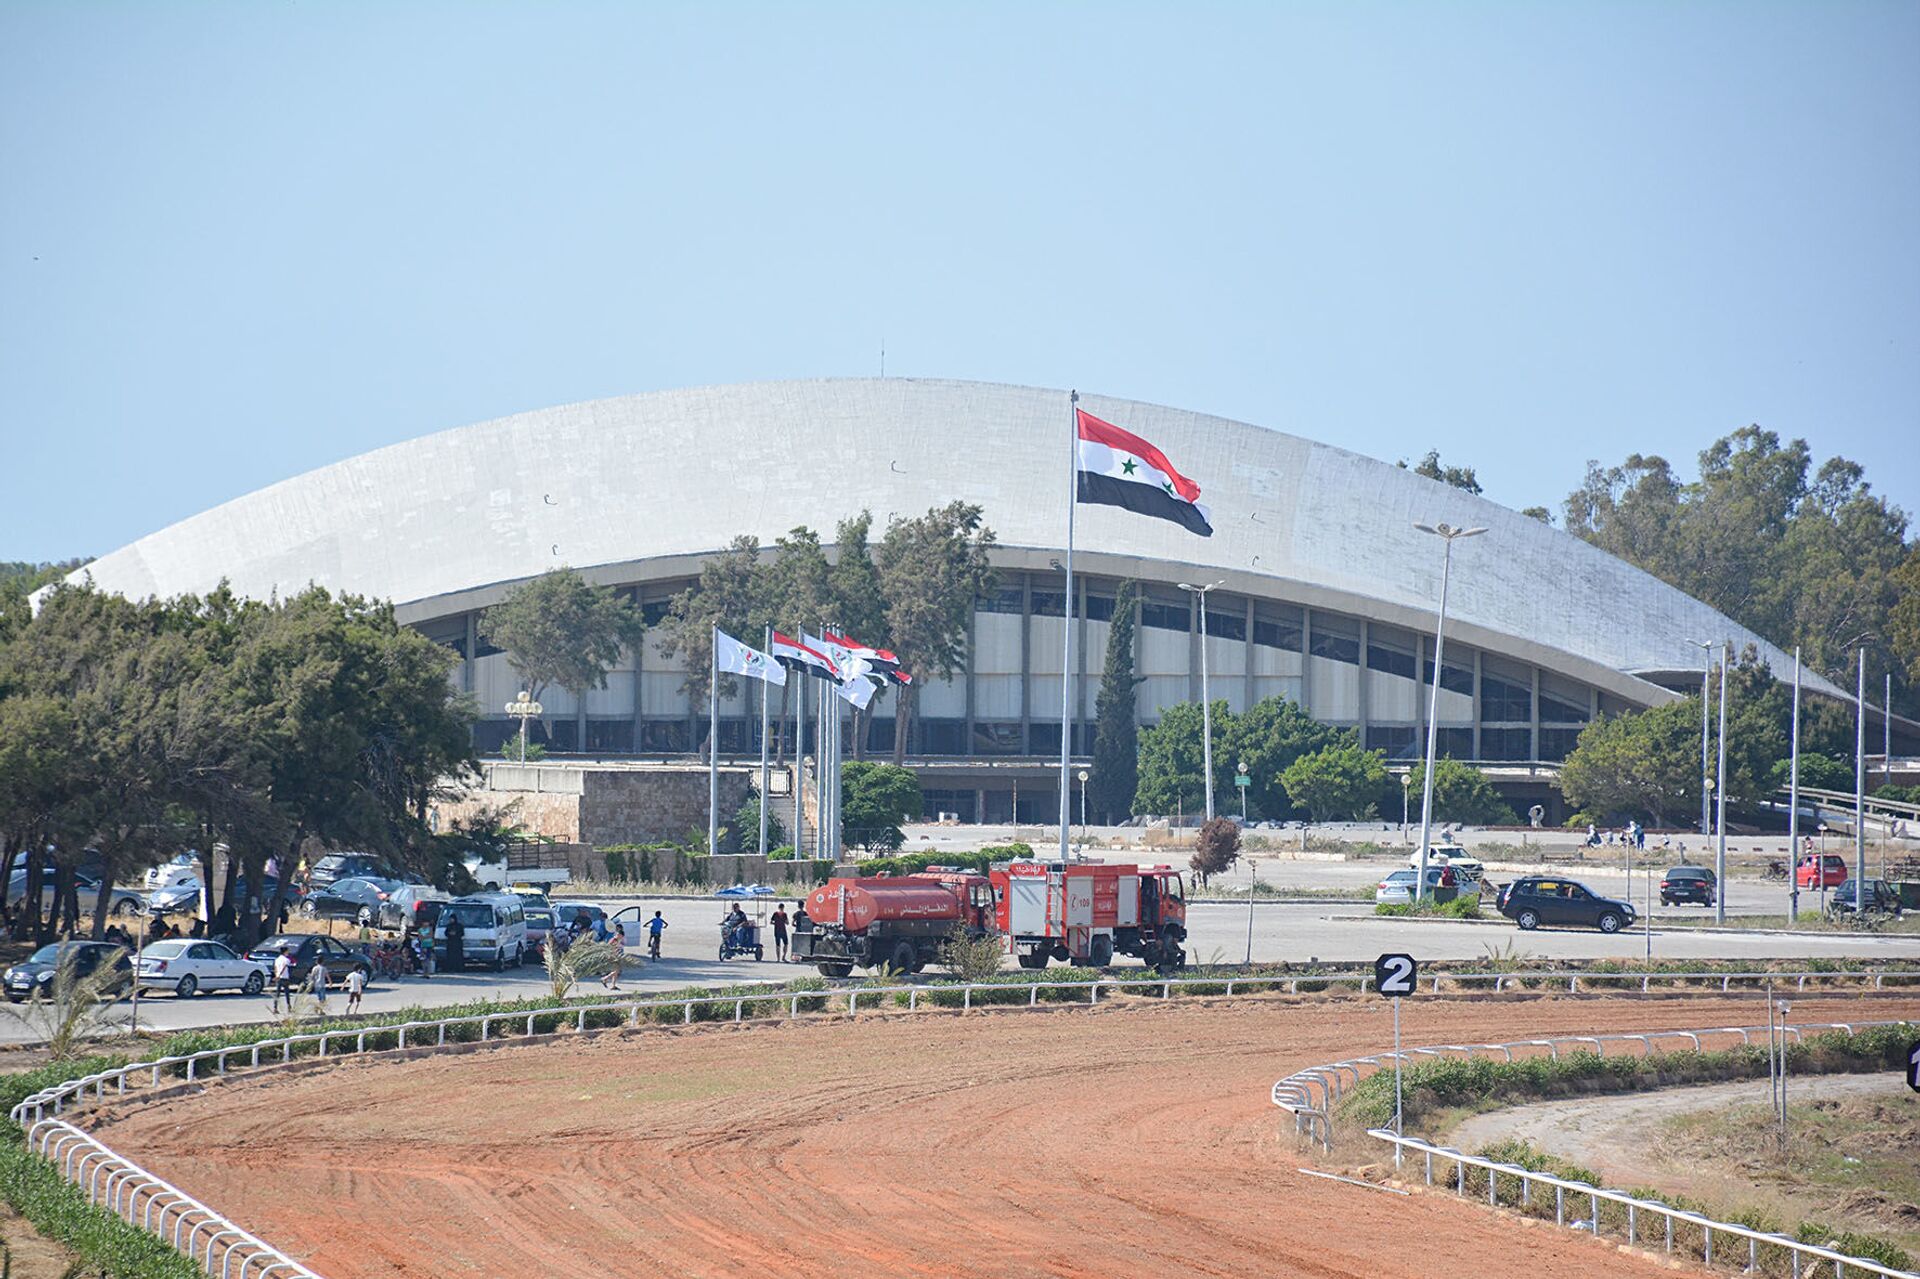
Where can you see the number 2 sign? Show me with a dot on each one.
(1395, 975)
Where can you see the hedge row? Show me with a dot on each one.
(979, 861)
(1453, 1082)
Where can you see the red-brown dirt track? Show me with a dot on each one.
(1135, 1139)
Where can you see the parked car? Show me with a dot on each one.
(357, 898)
(539, 925)
(306, 948)
(494, 927)
(187, 967)
(1688, 884)
(37, 972)
(123, 901)
(177, 869)
(1397, 888)
(564, 913)
(1535, 900)
(337, 866)
(411, 906)
(1881, 897)
(1821, 870)
(179, 899)
(1467, 871)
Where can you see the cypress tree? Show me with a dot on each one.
(1116, 738)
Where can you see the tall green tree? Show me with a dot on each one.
(875, 801)
(1461, 793)
(1115, 776)
(860, 606)
(1800, 555)
(732, 594)
(561, 629)
(1267, 739)
(1336, 781)
(1460, 477)
(932, 570)
(1172, 775)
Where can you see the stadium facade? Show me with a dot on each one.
(1327, 591)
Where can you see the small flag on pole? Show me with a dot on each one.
(876, 662)
(729, 654)
(1118, 468)
(804, 657)
(858, 690)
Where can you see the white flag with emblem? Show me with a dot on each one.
(859, 690)
(729, 654)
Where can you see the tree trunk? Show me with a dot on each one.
(902, 720)
(34, 898)
(227, 918)
(12, 851)
(270, 921)
(66, 900)
(105, 899)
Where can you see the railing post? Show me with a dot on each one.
(1559, 1205)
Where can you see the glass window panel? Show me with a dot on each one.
(1283, 635)
(1504, 701)
(1340, 648)
(1391, 660)
(1558, 743)
(937, 736)
(1001, 738)
(1006, 600)
(1398, 743)
(665, 735)
(1563, 701)
(1099, 608)
(1166, 617)
(1224, 625)
(1043, 737)
(1506, 743)
(1457, 742)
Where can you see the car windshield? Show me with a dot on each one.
(540, 919)
(471, 914)
(164, 949)
(1400, 877)
(51, 954)
(274, 943)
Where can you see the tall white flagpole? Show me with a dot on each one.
(713, 742)
(765, 799)
(1793, 798)
(820, 772)
(1066, 669)
(799, 753)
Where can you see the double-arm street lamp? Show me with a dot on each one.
(1206, 702)
(1449, 535)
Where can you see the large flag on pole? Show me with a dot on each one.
(1118, 468)
(859, 691)
(729, 654)
(804, 657)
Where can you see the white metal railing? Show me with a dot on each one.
(433, 1032)
(49, 1104)
(141, 1199)
(1648, 1221)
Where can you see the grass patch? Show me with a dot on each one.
(1465, 906)
(1455, 1084)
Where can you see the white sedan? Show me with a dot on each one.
(187, 966)
(1397, 888)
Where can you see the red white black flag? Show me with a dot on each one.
(1118, 468)
(805, 658)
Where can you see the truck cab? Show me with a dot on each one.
(1086, 913)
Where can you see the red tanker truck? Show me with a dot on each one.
(896, 921)
(1086, 913)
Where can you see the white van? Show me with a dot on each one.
(496, 929)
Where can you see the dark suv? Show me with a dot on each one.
(1540, 899)
(1881, 899)
(336, 866)
(1688, 884)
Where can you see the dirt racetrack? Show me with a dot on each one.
(1136, 1139)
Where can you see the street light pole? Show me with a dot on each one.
(1706, 709)
(1206, 701)
(1447, 534)
(1720, 835)
(1860, 793)
(1793, 800)
(1083, 805)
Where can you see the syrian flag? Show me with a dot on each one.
(805, 658)
(1118, 468)
(729, 654)
(875, 662)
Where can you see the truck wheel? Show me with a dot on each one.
(1101, 953)
(835, 970)
(1038, 959)
(902, 960)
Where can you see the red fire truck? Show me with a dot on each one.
(1086, 913)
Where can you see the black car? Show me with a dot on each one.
(1688, 884)
(307, 947)
(37, 971)
(1540, 899)
(1881, 898)
(357, 898)
(336, 866)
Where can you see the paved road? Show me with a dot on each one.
(1327, 931)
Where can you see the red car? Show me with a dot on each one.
(1821, 871)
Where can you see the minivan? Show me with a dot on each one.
(495, 929)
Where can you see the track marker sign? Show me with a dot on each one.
(1395, 976)
(1913, 1065)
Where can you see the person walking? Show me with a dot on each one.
(356, 986)
(779, 922)
(612, 978)
(317, 982)
(283, 979)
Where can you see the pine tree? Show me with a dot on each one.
(1116, 739)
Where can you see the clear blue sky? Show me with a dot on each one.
(241, 241)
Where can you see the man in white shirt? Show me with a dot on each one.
(356, 985)
(317, 981)
(283, 978)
